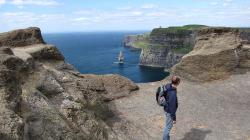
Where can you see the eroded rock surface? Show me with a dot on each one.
(43, 97)
(11, 126)
(21, 37)
(217, 54)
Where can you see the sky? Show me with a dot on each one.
(119, 15)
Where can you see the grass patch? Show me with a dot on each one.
(141, 44)
(146, 44)
(184, 30)
(183, 50)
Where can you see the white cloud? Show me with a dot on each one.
(149, 6)
(227, 3)
(81, 19)
(156, 14)
(86, 12)
(125, 8)
(136, 13)
(223, 3)
(2, 2)
(21, 3)
(214, 3)
(130, 17)
(26, 19)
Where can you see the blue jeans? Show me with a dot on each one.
(168, 126)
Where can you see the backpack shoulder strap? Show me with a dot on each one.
(166, 87)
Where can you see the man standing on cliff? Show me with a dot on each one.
(171, 106)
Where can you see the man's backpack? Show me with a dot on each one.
(159, 93)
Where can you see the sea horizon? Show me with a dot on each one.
(97, 52)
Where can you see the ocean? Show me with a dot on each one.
(97, 52)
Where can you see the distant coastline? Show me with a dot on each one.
(99, 51)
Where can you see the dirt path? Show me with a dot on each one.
(211, 111)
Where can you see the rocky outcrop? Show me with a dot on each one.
(11, 126)
(21, 37)
(245, 35)
(41, 52)
(116, 86)
(218, 52)
(44, 97)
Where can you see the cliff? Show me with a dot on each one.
(136, 41)
(164, 47)
(218, 53)
(173, 37)
(159, 57)
(44, 97)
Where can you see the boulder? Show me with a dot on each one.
(21, 37)
(117, 86)
(218, 52)
(41, 52)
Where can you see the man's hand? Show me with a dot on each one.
(174, 122)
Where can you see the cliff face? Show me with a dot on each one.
(172, 39)
(218, 53)
(159, 57)
(164, 47)
(168, 45)
(136, 41)
(43, 97)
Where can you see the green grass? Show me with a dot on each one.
(183, 30)
(244, 29)
(183, 50)
(146, 44)
(194, 27)
(180, 31)
(141, 44)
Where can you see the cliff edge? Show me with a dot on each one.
(44, 97)
(218, 53)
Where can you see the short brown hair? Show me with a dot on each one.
(175, 80)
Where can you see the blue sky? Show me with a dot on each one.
(115, 15)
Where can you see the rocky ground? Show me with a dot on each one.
(217, 110)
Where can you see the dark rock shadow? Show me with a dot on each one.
(196, 134)
(5, 137)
